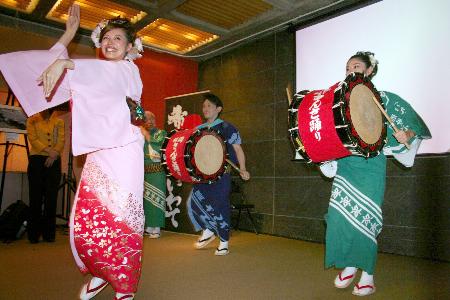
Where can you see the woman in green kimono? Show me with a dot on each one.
(354, 217)
(154, 179)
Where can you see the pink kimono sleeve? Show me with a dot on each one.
(134, 83)
(21, 71)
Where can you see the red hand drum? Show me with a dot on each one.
(194, 155)
(337, 122)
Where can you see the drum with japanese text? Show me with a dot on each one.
(194, 155)
(340, 121)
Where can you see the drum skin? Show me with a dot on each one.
(194, 155)
(337, 122)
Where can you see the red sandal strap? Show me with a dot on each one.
(367, 286)
(346, 277)
(89, 290)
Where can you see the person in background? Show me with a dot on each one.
(209, 204)
(46, 136)
(154, 178)
(354, 217)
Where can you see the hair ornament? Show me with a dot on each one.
(95, 35)
(136, 50)
(373, 60)
(371, 56)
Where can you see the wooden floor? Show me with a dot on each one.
(258, 267)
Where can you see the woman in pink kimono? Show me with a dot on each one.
(107, 219)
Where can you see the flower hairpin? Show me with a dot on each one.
(373, 61)
(95, 35)
(136, 50)
(370, 55)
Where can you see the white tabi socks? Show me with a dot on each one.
(222, 249)
(348, 271)
(345, 278)
(206, 234)
(365, 285)
(223, 245)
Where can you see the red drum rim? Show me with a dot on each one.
(293, 125)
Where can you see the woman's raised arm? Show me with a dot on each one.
(72, 24)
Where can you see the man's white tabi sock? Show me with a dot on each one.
(206, 234)
(223, 245)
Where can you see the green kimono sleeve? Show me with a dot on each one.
(404, 117)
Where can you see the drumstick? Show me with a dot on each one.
(233, 165)
(288, 92)
(190, 94)
(389, 119)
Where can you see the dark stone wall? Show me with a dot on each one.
(290, 197)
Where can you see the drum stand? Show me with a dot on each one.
(68, 187)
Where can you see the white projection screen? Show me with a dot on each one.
(410, 39)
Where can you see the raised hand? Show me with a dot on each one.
(72, 24)
(73, 21)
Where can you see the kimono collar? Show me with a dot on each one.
(209, 125)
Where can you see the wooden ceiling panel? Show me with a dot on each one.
(26, 6)
(166, 34)
(226, 14)
(93, 11)
(178, 26)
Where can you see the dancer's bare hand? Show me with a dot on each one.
(404, 136)
(53, 73)
(244, 174)
(73, 21)
(72, 24)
